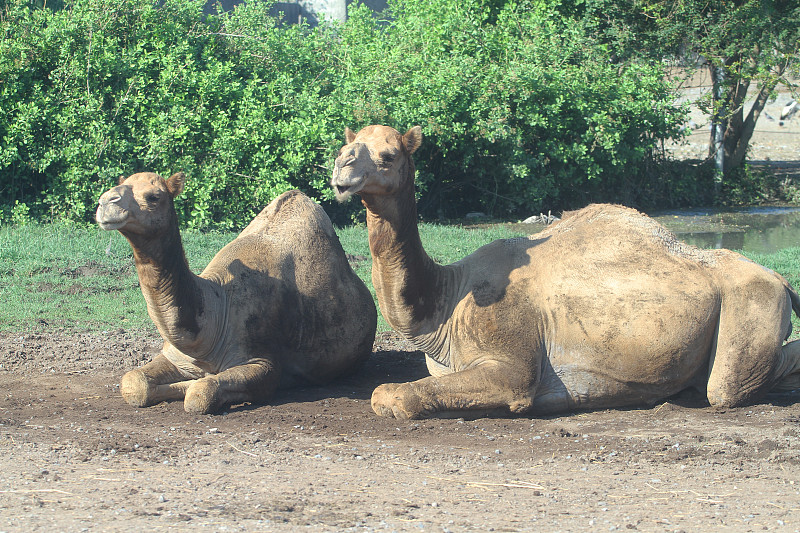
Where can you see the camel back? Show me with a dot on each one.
(621, 217)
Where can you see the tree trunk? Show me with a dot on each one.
(716, 147)
(735, 119)
(738, 139)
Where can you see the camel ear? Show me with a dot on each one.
(348, 135)
(120, 180)
(412, 139)
(175, 183)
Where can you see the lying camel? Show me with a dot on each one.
(278, 306)
(603, 309)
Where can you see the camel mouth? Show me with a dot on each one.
(344, 192)
(109, 222)
(345, 184)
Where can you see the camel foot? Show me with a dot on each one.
(788, 384)
(398, 400)
(790, 356)
(135, 388)
(203, 397)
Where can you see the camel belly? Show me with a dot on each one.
(568, 387)
(627, 341)
(617, 368)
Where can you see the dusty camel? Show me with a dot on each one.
(604, 309)
(277, 306)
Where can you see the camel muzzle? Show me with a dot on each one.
(344, 185)
(110, 215)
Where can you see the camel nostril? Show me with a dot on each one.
(109, 199)
(346, 162)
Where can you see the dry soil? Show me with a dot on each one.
(75, 457)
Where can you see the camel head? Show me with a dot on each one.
(375, 161)
(140, 204)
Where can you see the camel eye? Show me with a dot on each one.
(386, 159)
(151, 198)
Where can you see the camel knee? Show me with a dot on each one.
(135, 388)
(203, 397)
(521, 406)
(252, 382)
(144, 386)
(398, 400)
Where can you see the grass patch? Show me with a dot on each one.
(68, 277)
(83, 279)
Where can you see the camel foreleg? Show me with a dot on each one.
(155, 382)
(486, 388)
(254, 381)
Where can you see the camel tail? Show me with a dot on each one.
(793, 296)
(790, 352)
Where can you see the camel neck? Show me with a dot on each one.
(410, 286)
(174, 294)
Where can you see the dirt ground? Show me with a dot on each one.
(75, 457)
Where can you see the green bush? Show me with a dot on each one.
(522, 110)
(105, 89)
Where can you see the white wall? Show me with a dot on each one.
(296, 10)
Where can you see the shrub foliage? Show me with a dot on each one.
(521, 108)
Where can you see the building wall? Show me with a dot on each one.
(297, 10)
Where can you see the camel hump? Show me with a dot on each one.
(636, 227)
(289, 200)
(291, 212)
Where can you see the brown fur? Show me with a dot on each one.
(604, 309)
(277, 306)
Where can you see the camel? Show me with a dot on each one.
(603, 309)
(276, 307)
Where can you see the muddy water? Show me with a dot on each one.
(754, 229)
